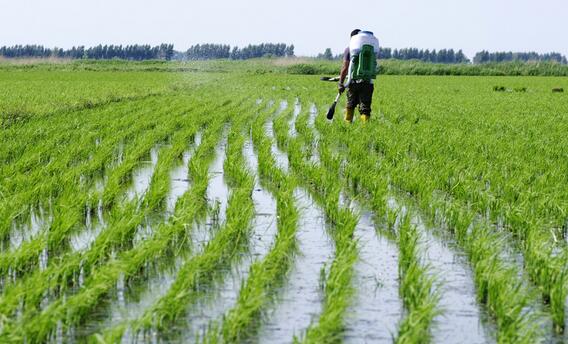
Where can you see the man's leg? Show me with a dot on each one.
(352, 102)
(366, 97)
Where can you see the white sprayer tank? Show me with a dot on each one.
(361, 39)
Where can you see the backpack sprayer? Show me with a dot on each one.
(363, 49)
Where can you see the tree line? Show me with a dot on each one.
(223, 51)
(450, 56)
(440, 56)
(487, 57)
(99, 52)
(147, 52)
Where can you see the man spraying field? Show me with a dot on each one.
(360, 68)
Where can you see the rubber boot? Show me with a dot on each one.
(349, 115)
(365, 118)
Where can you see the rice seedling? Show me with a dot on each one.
(481, 165)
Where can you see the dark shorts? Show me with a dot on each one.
(360, 94)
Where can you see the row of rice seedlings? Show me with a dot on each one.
(137, 292)
(170, 237)
(326, 187)
(145, 285)
(509, 296)
(292, 124)
(458, 314)
(200, 272)
(69, 215)
(72, 186)
(281, 158)
(520, 197)
(243, 320)
(545, 260)
(377, 308)
(510, 324)
(77, 257)
(102, 279)
(417, 288)
(301, 300)
(78, 164)
(52, 141)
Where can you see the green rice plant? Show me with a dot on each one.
(241, 322)
(338, 285)
(220, 252)
(417, 288)
(102, 279)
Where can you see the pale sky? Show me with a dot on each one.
(312, 26)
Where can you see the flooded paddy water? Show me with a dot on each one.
(376, 309)
(300, 302)
(292, 124)
(462, 318)
(222, 297)
(280, 157)
(142, 176)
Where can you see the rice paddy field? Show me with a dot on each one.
(156, 206)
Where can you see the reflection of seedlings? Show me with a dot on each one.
(378, 283)
(292, 123)
(322, 277)
(83, 239)
(142, 177)
(179, 183)
(214, 213)
(217, 190)
(39, 221)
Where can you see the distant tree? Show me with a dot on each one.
(290, 50)
(327, 55)
(507, 56)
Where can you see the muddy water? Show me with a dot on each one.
(292, 124)
(142, 176)
(179, 178)
(462, 320)
(280, 157)
(300, 302)
(377, 309)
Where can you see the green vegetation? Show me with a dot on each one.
(289, 65)
(481, 159)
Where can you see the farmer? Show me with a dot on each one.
(362, 70)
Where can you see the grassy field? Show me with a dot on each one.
(213, 202)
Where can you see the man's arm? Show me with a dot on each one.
(344, 70)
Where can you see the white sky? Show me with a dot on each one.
(312, 26)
